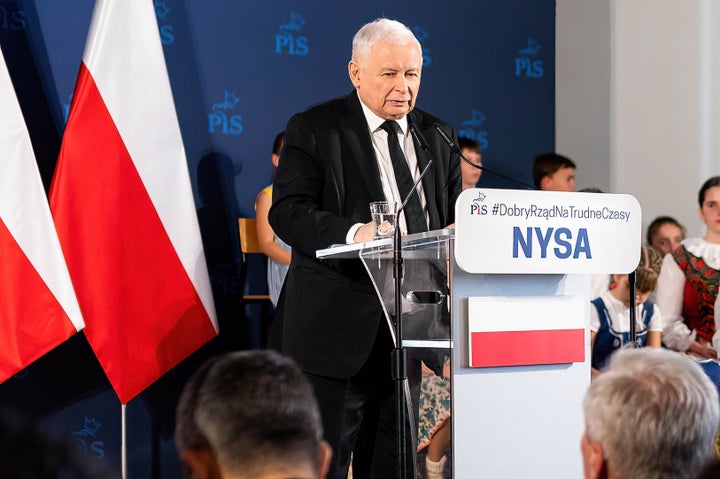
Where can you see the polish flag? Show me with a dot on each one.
(38, 308)
(123, 205)
(526, 331)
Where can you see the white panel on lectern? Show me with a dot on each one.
(546, 232)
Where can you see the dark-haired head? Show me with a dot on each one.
(468, 144)
(658, 223)
(548, 164)
(250, 411)
(710, 183)
(278, 143)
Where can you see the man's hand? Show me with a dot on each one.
(365, 233)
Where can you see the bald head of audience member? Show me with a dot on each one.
(652, 414)
(250, 414)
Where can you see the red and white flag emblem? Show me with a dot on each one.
(38, 308)
(526, 331)
(124, 208)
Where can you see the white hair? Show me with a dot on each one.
(381, 29)
(655, 414)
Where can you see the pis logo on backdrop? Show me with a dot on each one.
(289, 41)
(472, 129)
(87, 438)
(11, 16)
(222, 120)
(421, 34)
(527, 63)
(167, 36)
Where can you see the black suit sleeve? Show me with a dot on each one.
(306, 204)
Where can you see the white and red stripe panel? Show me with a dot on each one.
(523, 331)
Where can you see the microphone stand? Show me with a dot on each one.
(633, 309)
(399, 354)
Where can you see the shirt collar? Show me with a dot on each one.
(375, 121)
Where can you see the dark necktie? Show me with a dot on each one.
(414, 214)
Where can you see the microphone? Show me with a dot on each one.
(419, 138)
(455, 149)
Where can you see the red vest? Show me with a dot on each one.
(701, 287)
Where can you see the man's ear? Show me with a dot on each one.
(325, 458)
(199, 464)
(596, 465)
(354, 73)
(544, 182)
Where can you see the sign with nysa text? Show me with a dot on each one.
(546, 232)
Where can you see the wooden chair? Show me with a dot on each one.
(249, 245)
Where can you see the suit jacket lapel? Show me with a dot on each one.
(355, 128)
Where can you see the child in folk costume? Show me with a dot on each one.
(610, 312)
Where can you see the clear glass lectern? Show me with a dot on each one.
(425, 293)
(425, 286)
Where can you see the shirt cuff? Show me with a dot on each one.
(350, 237)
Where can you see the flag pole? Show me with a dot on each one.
(123, 441)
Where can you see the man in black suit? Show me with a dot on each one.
(337, 159)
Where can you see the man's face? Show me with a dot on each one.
(388, 79)
(470, 174)
(562, 180)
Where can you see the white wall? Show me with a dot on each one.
(582, 88)
(658, 71)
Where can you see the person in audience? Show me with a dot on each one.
(665, 234)
(610, 314)
(652, 414)
(553, 172)
(250, 415)
(470, 150)
(277, 251)
(688, 282)
(434, 429)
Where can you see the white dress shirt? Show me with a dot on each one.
(385, 168)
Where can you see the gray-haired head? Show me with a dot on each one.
(654, 413)
(381, 29)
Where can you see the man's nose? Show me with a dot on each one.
(401, 83)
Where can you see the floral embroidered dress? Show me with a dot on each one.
(434, 407)
(687, 293)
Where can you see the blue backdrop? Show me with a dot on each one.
(239, 70)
